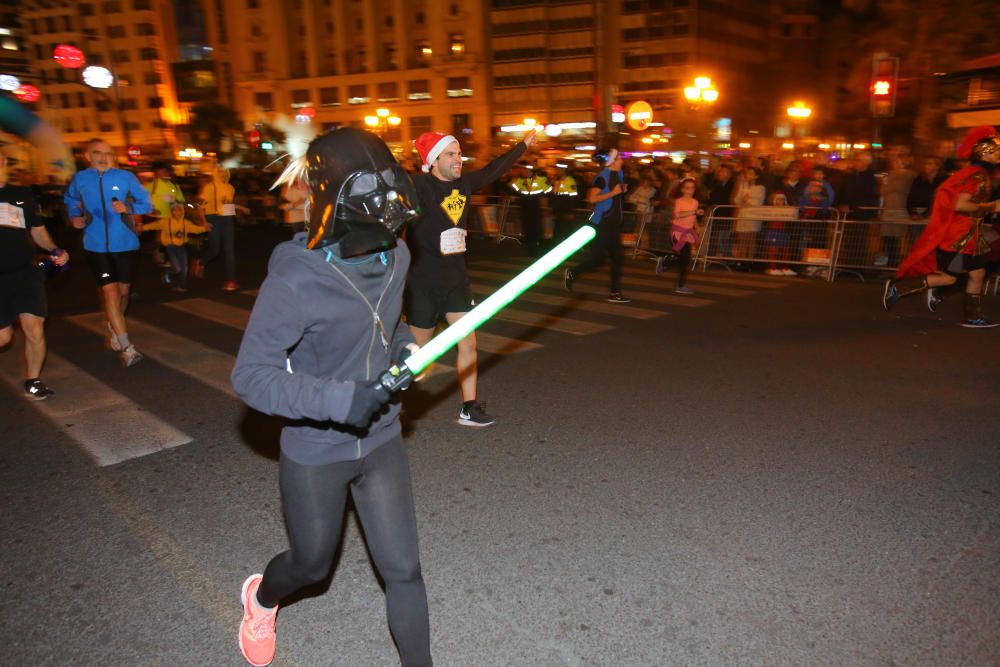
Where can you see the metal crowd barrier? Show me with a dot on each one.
(805, 238)
(875, 240)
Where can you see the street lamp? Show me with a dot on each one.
(382, 120)
(703, 91)
(798, 113)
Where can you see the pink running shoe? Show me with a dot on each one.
(257, 627)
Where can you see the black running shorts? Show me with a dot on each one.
(426, 306)
(952, 265)
(113, 267)
(22, 292)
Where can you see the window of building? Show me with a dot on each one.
(391, 56)
(103, 104)
(155, 102)
(151, 78)
(358, 94)
(121, 56)
(68, 23)
(115, 31)
(331, 61)
(419, 18)
(456, 41)
(255, 30)
(680, 29)
(259, 61)
(129, 104)
(50, 24)
(264, 101)
(253, 4)
(112, 7)
(388, 21)
(141, 4)
(133, 126)
(148, 53)
(144, 29)
(388, 91)
(631, 6)
(460, 124)
(420, 124)
(459, 86)
(418, 89)
(631, 34)
(64, 99)
(329, 97)
(105, 128)
(422, 52)
(81, 100)
(39, 56)
(301, 98)
(85, 9)
(453, 9)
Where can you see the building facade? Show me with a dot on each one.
(131, 38)
(423, 60)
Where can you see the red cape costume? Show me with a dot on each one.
(946, 226)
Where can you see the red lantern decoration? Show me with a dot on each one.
(28, 94)
(308, 111)
(68, 56)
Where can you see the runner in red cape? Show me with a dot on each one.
(953, 242)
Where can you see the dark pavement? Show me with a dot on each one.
(784, 476)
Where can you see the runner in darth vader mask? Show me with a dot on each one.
(361, 197)
(325, 322)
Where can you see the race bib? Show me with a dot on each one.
(11, 216)
(229, 209)
(453, 241)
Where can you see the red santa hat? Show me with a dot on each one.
(973, 137)
(430, 145)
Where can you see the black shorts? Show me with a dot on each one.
(113, 267)
(22, 292)
(426, 306)
(946, 259)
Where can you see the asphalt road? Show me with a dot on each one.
(776, 473)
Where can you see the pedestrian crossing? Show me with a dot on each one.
(105, 423)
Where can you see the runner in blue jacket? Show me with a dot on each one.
(101, 201)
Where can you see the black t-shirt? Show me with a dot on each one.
(444, 206)
(17, 251)
(614, 214)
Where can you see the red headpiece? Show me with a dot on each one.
(973, 137)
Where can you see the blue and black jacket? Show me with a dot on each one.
(92, 193)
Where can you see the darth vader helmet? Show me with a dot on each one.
(361, 197)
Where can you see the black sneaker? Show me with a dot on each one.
(616, 297)
(37, 389)
(568, 279)
(979, 323)
(933, 300)
(472, 414)
(890, 295)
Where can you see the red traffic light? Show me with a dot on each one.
(134, 152)
(253, 138)
(881, 88)
(27, 93)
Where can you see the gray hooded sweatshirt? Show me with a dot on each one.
(312, 335)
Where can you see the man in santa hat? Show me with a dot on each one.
(438, 285)
(953, 242)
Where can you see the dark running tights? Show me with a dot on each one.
(606, 247)
(314, 499)
(683, 265)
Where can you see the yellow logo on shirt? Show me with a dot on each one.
(454, 205)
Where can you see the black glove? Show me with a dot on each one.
(365, 402)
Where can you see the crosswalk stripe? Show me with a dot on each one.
(634, 267)
(596, 285)
(200, 362)
(494, 344)
(551, 322)
(237, 318)
(106, 424)
(579, 302)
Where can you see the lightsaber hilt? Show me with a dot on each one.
(396, 378)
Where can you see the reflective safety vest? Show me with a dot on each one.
(566, 186)
(536, 185)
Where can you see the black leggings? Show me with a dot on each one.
(683, 264)
(314, 499)
(607, 246)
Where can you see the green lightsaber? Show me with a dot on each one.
(399, 375)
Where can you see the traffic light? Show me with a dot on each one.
(885, 70)
(253, 138)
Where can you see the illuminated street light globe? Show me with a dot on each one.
(28, 94)
(553, 130)
(98, 77)
(68, 56)
(710, 95)
(9, 82)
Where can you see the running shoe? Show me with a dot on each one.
(933, 300)
(113, 343)
(568, 279)
(616, 297)
(683, 289)
(230, 286)
(131, 356)
(789, 272)
(890, 295)
(979, 323)
(472, 414)
(37, 389)
(257, 637)
(775, 272)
